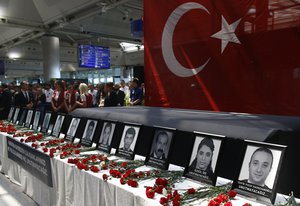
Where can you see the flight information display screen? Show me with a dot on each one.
(91, 56)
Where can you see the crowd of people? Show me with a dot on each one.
(66, 97)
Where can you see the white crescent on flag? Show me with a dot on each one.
(167, 39)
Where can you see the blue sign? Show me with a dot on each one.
(91, 56)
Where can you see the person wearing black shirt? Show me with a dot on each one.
(111, 99)
(24, 97)
(120, 95)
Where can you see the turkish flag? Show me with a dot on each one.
(221, 56)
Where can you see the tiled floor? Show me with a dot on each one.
(12, 195)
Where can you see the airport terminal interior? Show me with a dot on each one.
(149, 103)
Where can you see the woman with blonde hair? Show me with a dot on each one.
(86, 99)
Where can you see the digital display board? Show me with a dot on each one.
(91, 56)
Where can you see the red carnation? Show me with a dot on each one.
(231, 193)
(124, 164)
(163, 200)
(122, 181)
(223, 197)
(159, 189)
(42, 144)
(191, 191)
(134, 183)
(213, 203)
(228, 204)
(105, 177)
(77, 151)
(218, 200)
(94, 169)
(51, 155)
(247, 204)
(150, 193)
(45, 150)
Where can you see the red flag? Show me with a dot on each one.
(238, 55)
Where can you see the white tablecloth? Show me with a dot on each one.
(75, 187)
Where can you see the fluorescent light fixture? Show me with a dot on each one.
(14, 55)
(130, 47)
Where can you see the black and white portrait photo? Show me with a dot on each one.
(106, 136)
(73, 127)
(89, 131)
(58, 123)
(28, 118)
(46, 121)
(36, 120)
(259, 169)
(23, 116)
(204, 158)
(16, 115)
(10, 115)
(160, 148)
(128, 141)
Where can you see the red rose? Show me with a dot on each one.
(231, 193)
(45, 150)
(150, 193)
(228, 204)
(105, 177)
(42, 144)
(93, 157)
(62, 141)
(77, 151)
(51, 155)
(191, 191)
(247, 204)
(163, 200)
(124, 164)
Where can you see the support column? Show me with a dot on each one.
(51, 57)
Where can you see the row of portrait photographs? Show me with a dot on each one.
(259, 165)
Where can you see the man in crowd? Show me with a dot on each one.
(136, 93)
(111, 99)
(120, 95)
(24, 98)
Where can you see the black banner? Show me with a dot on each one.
(35, 162)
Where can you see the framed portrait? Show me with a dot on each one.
(58, 123)
(72, 129)
(22, 116)
(259, 170)
(28, 118)
(16, 115)
(128, 141)
(10, 114)
(89, 131)
(46, 122)
(36, 119)
(160, 148)
(107, 134)
(204, 157)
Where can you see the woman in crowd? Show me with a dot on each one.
(57, 102)
(71, 96)
(85, 100)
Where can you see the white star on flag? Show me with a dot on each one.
(226, 34)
